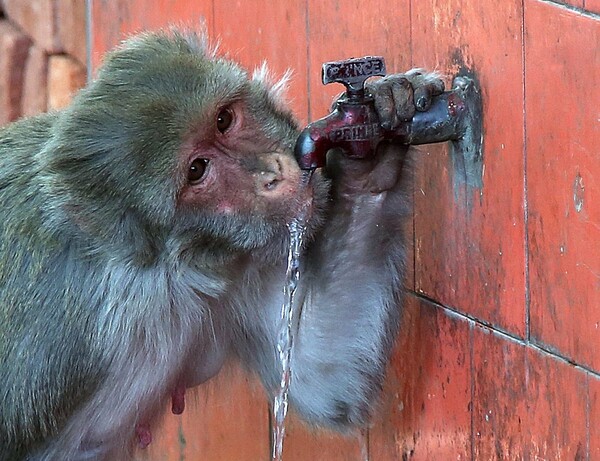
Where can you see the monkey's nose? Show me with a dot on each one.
(270, 174)
(268, 180)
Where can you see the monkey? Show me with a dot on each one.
(143, 242)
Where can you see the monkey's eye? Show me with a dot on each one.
(224, 120)
(197, 169)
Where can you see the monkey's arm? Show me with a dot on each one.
(355, 269)
(353, 281)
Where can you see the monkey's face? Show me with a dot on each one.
(183, 143)
(236, 177)
(237, 166)
(232, 167)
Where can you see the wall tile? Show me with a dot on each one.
(346, 29)
(38, 19)
(14, 49)
(593, 6)
(65, 76)
(425, 414)
(114, 20)
(527, 404)
(563, 168)
(470, 242)
(275, 34)
(35, 82)
(304, 442)
(594, 417)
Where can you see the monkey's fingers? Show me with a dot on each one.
(394, 102)
(426, 85)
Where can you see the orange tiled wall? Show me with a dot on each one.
(497, 357)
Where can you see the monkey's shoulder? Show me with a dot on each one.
(20, 144)
(26, 133)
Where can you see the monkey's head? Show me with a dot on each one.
(171, 139)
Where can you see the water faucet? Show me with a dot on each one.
(354, 126)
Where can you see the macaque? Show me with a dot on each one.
(143, 242)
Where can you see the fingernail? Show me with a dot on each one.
(422, 103)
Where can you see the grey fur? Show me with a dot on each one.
(111, 293)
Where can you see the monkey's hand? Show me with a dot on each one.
(398, 96)
(350, 291)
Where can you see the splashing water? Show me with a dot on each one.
(285, 336)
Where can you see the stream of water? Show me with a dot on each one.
(285, 336)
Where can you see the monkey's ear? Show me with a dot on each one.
(276, 89)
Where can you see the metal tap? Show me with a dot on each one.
(354, 126)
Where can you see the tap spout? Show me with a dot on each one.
(313, 144)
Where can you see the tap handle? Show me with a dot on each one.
(353, 73)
